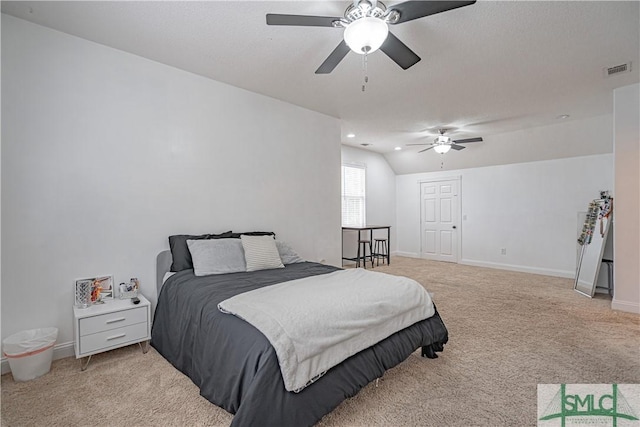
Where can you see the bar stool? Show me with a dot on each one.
(363, 243)
(380, 250)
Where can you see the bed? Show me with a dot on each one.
(236, 367)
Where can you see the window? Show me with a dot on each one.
(353, 196)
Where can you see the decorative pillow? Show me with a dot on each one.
(216, 256)
(180, 252)
(260, 252)
(287, 254)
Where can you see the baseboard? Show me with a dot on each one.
(60, 351)
(405, 254)
(501, 266)
(629, 306)
(520, 268)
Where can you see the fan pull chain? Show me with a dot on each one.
(364, 70)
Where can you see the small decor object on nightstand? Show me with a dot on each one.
(83, 293)
(129, 290)
(93, 290)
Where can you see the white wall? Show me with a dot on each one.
(380, 194)
(105, 154)
(531, 209)
(626, 207)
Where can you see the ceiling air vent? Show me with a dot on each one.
(617, 69)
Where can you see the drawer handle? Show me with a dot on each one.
(115, 337)
(119, 319)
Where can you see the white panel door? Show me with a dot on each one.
(439, 220)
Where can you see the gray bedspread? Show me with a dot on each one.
(236, 367)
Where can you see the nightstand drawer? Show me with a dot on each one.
(109, 321)
(113, 338)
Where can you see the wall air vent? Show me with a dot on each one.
(617, 69)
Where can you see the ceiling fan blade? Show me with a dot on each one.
(423, 143)
(334, 58)
(458, 147)
(464, 141)
(399, 52)
(300, 20)
(410, 10)
(421, 151)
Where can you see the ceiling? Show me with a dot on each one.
(486, 69)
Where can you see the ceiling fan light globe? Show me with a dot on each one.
(442, 148)
(366, 35)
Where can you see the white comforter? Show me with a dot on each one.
(317, 322)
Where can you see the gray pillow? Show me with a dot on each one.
(287, 254)
(180, 255)
(216, 256)
(260, 253)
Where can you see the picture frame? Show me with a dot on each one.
(94, 290)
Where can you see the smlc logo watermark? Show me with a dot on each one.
(615, 405)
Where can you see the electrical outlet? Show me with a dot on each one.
(503, 251)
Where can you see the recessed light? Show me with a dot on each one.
(563, 116)
(398, 148)
(351, 135)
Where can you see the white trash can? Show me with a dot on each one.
(30, 352)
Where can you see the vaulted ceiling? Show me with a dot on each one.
(486, 69)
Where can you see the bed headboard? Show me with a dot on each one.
(163, 265)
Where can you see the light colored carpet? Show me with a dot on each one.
(508, 332)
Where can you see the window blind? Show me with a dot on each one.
(353, 196)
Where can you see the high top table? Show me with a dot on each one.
(370, 229)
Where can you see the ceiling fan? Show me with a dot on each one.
(442, 144)
(366, 28)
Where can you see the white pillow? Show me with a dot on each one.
(287, 254)
(216, 256)
(260, 252)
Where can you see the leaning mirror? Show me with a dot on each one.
(592, 240)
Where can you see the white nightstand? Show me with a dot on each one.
(114, 324)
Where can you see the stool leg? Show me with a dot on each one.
(358, 256)
(364, 255)
(385, 253)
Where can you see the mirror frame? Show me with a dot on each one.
(587, 240)
(593, 284)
